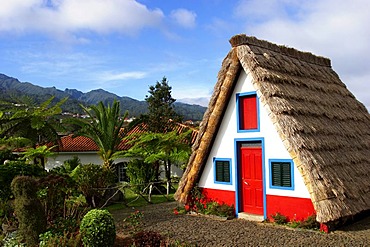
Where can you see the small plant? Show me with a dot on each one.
(310, 223)
(180, 210)
(133, 223)
(148, 238)
(97, 229)
(279, 218)
(48, 239)
(13, 240)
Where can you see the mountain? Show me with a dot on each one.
(11, 88)
(202, 101)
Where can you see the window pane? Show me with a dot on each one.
(222, 171)
(281, 174)
(248, 112)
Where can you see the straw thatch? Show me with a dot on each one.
(322, 125)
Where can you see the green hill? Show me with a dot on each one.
(11, 89)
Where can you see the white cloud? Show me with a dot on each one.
(335, 29)
(70, 16)
(111, 76)
(184, 17)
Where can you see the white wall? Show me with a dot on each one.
(223, 146)
(93, 157)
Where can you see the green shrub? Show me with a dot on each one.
(12, 169)
(310, 223)
(49, 239)
(97, 229)
(90, 180)
(140, 174)
(279, 218)
(28, 209)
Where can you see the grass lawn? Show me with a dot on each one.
(134, 200)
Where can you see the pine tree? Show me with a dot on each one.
(160, 107)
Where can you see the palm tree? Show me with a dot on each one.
(36, 123)
(104, 127)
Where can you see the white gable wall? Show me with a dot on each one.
(224, 145)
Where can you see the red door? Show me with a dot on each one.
(251, 180)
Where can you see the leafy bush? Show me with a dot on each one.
(200, 204)
(97, 229)
(279, 218)
(10, 170)
(48, 239)
(148, 238)
(13, 240)
(140, 174)
(310, 223)
(7, 214)
(90, 179)
(28, 209)
(53, 191)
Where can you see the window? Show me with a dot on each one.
(281, 173)
(222, 169)
(248, 112)
(121, 172)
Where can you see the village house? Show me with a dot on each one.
(87, 151)
(282, 134)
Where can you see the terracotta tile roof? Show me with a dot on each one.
(85, 144)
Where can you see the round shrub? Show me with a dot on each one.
(97, 229)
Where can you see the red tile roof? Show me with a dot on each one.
(85, 144)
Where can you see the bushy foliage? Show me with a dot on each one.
(49, 239)
(140, 174)
(202, 205)
(10, 170)
(90, 180)
(310, 223)
(279, 218)
(7, 214)
(52, 193)
(97, 229)
(28, 209)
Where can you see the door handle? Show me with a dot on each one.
(246, 183)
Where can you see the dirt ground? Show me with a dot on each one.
(204, 231)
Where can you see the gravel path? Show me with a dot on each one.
(203, 231)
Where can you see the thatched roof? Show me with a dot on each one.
(322, 125)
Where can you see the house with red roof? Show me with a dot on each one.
(86, 150)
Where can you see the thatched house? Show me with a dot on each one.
(283, 134)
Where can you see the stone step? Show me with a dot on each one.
(250, 217)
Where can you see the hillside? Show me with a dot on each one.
(11, 88)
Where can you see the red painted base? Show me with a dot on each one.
(292, 207)
(220, 196)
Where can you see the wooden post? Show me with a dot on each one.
(150, 192)
(168, 188)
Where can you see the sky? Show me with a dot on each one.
(124, 46)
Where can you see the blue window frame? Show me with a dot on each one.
(281, 174)
(247, 112)
(222, 170)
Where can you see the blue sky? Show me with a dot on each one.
(124, 46)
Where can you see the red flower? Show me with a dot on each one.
(187, 207)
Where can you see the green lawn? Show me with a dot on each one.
(134, 200)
